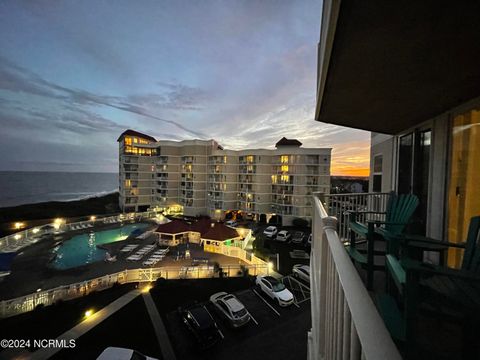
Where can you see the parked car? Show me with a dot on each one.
(116, 353)
(275, 290)
(199, 321)
(301, 272)
(270, 231)
(297, 237)
(231, 223)
(229, 307)
(283, 236)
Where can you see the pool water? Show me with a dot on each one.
(82, 249)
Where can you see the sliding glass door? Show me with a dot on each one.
(414, 172)
(464, 182)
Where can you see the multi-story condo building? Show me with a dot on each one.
(200, 177)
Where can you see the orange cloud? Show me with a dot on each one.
(350, 171)
(351, 159)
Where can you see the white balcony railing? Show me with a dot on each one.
(345, 322)
(340, 206)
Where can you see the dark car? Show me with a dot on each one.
(199, 321)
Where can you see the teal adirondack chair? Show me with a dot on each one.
(436, 285)
(400, 209)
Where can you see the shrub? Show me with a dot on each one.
(258, 243)
(160, 282)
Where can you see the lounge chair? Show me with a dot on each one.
(400, 210)
(128, 248)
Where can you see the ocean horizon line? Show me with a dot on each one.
(61, 172)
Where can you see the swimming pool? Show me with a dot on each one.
(82, 249)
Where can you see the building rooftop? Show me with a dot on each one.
(203, 225)
(173, 227)
(220, 232)
(288, 142)
(136, 133)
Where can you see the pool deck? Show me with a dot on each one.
(31, 269)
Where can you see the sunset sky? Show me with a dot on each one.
(74, 75)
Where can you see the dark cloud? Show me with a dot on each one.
(183, 97)
(17, 79)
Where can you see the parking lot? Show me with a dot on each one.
(283, 248)
(273, 331)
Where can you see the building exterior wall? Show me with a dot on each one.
(383, 146)
(201, 178)
(438, 208)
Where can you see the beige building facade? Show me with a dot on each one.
(199, 177)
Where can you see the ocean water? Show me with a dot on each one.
(21, 187)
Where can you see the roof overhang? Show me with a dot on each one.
(387, 66)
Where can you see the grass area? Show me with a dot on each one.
(42, 213)
(51, 321)
(129, 328)
(170, 294)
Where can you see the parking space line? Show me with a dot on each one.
(266, 302)
(253, 319)
(292, 280)
(300, 283)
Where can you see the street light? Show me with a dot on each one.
(57, 223)
(19, 225)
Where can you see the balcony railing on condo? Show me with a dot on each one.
(282, 189)
(162, 160)
(215, 187)
(130, 160)
(216, 196)
(215, 204)
(340, 206)
(216, 161)
(345, 322)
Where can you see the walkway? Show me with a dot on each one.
(160, 331)
(76, 331)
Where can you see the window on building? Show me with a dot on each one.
(377, 173)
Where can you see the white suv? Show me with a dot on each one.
(283, 236)
(301, 272)
(275, 290)
(270, 231)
